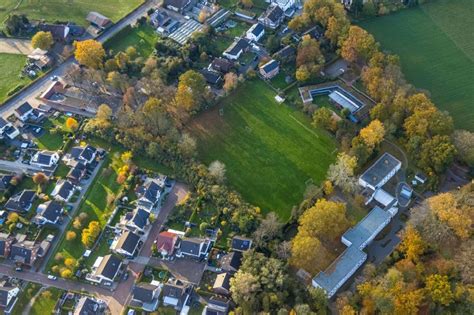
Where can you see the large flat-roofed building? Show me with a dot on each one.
(340, 271)
(380, 172)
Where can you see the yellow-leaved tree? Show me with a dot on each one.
(89, 53)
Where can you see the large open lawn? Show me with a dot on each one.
(10, 68)
(436, 45)
(143, 38)
(67, 10)
(270, 151)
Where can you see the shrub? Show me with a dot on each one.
(71, 235)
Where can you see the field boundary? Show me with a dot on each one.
(302, 125)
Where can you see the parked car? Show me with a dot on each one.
(51, 277)
(19, 269)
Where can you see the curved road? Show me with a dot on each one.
(36, 88)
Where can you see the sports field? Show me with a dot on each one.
(436, 45)
(66, 10)
(270, 151)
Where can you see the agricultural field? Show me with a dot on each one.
(271, 152)
(72, 10)
(143, 38)
(11, 66)
(435, 43)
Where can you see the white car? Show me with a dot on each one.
(51, 277)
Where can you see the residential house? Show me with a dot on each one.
(164, 24)
(24, 252)
(241, 244)
(5, 181)
(286, 54)
(63, 191)
(40, 58)
(165, 243)
(6, 128)
(237, 48)
(126, 244)
(179, 5)
(60, 32)
(175, 294)
(5, 245)
(24, 111)
(139, 220)
(270, 69)
(85, 155)
(98, 20)
(221, 65)
(146, 295)
(76, 173)
(272, 17)
(193, 247)
(45, 159)
(49, 212)
(20, 202)
(217, 306)
(106, 268)
(89, 306)
(212, 77)
(149, 194)
(255, 32)
(284, 4)
(222, 284)
(357, 239)
(231, 262)
(8, 296)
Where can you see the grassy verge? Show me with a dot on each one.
(25, 297)
(45, 302)
(11, 66)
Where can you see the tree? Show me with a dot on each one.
(70, 262)
(217, 171)
(437, 154)
(308, 253)
(70, 235)
(456, 215)
(191, 90)
(319, 300)
(187, 145)
(373, 134)
(267, 230)
(66, 273)
(439, 289)
(309, 56)
(231, 80)
(127, 157)
(412, 245)
(463, 141)
(358, 45)
(247, 3)
(322, 118)
(203, 227)
(90, 233)
(326, 219)
(42, 40)
(40, 178)
(89, 53)
(72, 124)
(203, 14)
(13, 217)
(243, 288)
(341, 173)
(328, 188)
(104, 112)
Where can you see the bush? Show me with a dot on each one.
(71, 235)
(15, 89)
(66, 273)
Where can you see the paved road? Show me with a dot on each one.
(17, 166)
(15, 46)
(35, 89)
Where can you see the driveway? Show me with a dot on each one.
(15, 46)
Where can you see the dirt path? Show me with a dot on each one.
(28, 307)
(15, 46)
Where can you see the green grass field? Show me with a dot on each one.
(67, 10)
(143, 38)
(10, 68)
(270, 151)
(436, 45)
(45, 302)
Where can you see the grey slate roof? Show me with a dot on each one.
(241, 243)
(222, 65)
(273, 13)
(380, 169)
(109, 266)
(3, 122)
(86, 153)
(231, 262)
(140, 218)
(128, 242)
(5, 181)
(65, 189)
(22, 251)
(372, 222)
(76, 172)
(270, 66)
(98, 19)
(191, 246)
(257, 29)
(86, 306)
(237, 46)
(5, 288)
(21, 201)
(51, 211)
(144, 292)
(211, 76)
(23, 108)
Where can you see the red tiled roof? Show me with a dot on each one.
(166, 241)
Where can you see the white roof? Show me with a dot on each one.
(383, 197)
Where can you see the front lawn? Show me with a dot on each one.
(46, 301)
(11, 66)
(271, 152)
(25, 296)
(52, 138)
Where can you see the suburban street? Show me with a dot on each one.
(30, 93)
(16, 166)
